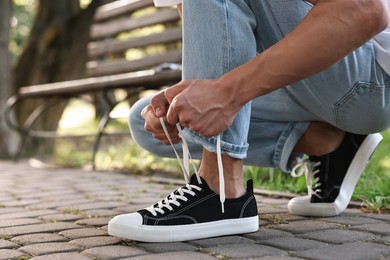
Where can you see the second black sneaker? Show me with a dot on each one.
(335, 176)
(191, 212)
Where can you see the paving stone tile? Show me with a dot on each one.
(98, 222)
(27, 214)
(274, 201)
(62, 256)
(9, 210)
(267, 233)
(339, 236)
(187, 255)
(38, 238)
(93, 205)
(6, 254)
(350, 219)
(276, 258)
(304, 226)
(112, 198)
(102, 212)
(277, 218)
(83, 232)
(18, 222)
(64, 204)
(352, 251)
(382, 228)
(386, 240)
(52, 195)
(243, 251)
(217, 241)
(61, 217)
(129, 208)
(268, 209)
(383, 217)
(39, 228)
(104, 194)
(49, 248)
(142, 200)
(5, 244)
(113, 252)
(90, 242)
(19, 203)
(292, 243)
(166, 247)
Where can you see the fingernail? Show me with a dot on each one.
(158, 112)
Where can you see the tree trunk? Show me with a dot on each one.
(56, 51)
(8, 139)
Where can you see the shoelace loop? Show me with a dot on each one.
(309, 169)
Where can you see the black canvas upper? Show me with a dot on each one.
(204, 207)
(334, 167)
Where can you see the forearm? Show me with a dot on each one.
(330, 31)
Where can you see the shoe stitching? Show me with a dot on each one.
(157, 221)
(245, 205)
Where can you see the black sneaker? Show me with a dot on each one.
(191, 212)
(335, 176)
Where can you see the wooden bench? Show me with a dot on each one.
(116, 30)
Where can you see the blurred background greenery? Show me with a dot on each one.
(118, 152)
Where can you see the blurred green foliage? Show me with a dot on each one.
(21, 23)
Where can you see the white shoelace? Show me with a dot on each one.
(173, 199)
(185, 166)
(308, 168)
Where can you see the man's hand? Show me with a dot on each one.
(203, 106)
(158, 108)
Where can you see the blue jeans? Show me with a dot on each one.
(219, 35)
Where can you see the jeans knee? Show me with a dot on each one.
(380, 123)
(136, 122)
(377, 123)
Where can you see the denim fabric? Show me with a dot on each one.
(219, 35)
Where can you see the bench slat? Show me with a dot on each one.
(114, 46)
(118, 8)
(113, 28)
(147, 79)
(95, 68)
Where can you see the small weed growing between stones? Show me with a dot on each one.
(73, 211)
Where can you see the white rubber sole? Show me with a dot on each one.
(302, 205)
(177, 233)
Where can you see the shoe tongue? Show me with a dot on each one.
(194, 181)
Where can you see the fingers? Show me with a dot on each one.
(175, 90)
(172, 115)
(164, 139)
(153, 125)
(159, 103)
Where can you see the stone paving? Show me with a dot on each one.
(63, 214)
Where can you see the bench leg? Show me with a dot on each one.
(102, 125)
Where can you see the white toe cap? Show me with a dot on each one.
(131, 219)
